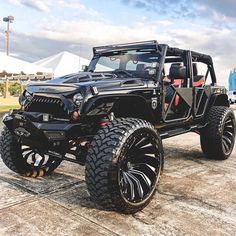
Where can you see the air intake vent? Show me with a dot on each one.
(133, 82)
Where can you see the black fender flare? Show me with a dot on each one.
(218, 100)
(104, 104)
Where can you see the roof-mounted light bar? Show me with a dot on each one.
(125, 46)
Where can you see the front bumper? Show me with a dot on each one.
(54, 134)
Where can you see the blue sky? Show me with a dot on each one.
(45, 27)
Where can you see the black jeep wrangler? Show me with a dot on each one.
(113, 116)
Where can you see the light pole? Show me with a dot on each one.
(8, 19)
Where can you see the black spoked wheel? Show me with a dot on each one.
(140, 166)
(23, 159)
(218, 137)
(228, 135)
(124, 164)
(39, 163)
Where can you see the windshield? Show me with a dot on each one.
(136, 63)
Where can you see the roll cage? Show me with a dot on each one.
(168, 54)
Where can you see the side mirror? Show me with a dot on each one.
(154, 65)
(85, 68)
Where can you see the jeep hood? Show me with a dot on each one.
(81, 81)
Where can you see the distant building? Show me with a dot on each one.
(232, 86)
(232, 80)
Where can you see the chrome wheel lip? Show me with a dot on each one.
(228, 136)
(143, 195)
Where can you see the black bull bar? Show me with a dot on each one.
(45, 135)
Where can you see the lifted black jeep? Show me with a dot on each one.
(113, 116)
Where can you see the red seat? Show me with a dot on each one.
(177, 75)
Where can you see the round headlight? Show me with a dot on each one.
(77, 99)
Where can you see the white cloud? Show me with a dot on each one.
(49, 5)
(15, 2)
(165, 22)
(37, 5)
(96, 32)
(77, 5)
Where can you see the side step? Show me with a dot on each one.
(174, 132)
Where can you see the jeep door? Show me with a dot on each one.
(177, 86)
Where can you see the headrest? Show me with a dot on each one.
(140, 67)
(195, 70)
(177, 71)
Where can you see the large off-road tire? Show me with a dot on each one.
(22, 159)
(218, 137)
(124, 164)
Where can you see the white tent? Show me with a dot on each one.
(63, 63)
(16, 66)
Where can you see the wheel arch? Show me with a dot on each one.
(127, 105)
(218, 100)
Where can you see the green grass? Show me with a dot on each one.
(8, 107)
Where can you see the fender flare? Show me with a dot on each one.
(104, 104)
(218, 100)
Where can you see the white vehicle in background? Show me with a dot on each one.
(232, 96)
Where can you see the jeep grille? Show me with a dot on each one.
(52, 106)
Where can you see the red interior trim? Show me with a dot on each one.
(198, 83)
